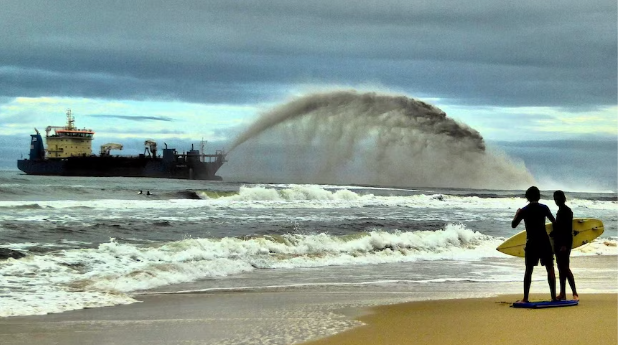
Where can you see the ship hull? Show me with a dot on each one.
(111, 166)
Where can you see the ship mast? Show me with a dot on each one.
(70, 120)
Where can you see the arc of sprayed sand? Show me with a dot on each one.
(427, 117)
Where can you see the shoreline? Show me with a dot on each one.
(481, 321)
(341, 315)
(225, 319)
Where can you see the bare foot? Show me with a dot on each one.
(524, 300)
(561, 297)
(575, 297)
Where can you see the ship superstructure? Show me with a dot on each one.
(68, 141)
(69, 153)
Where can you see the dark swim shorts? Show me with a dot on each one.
(533, 255)
(563, 258)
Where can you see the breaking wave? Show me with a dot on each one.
(73, 279)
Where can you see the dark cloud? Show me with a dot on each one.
(133, 117)
(550, 53)
(25, 82)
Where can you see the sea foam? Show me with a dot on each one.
(302, 196)
(105, 275)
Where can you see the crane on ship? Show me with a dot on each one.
(106, 148)
(150, 148)
(69, 126)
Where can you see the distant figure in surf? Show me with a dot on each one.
(140, 192)
(538, 247)
(563, 237)
(148, 192)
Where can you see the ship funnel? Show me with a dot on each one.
(37, 151)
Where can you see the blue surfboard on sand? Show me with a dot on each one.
(544, 304)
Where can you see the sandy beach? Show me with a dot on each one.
(343, 315)
(486, 321)
(195, 319)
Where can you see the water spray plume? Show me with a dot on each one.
(382, 139)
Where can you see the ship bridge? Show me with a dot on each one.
(68, 141)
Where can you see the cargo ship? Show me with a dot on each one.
(69, 153)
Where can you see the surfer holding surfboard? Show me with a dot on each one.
(563, 241)
(538, 247)
(581, 232)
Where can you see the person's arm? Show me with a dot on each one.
(550, 216)
(570, 219)
(517, 218)
(554, 222)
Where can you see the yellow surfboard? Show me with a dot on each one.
(585, 231)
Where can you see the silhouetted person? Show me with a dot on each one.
(563, 237)
(538, 248)
(148, 192)
(140, 192)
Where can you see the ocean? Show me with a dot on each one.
(97, 242)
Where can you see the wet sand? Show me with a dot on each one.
(486, 321)
(346, 315)
(223, 319)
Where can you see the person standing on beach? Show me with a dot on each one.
(563, 237)
(537, 248)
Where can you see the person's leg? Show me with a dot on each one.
(531, 259)
(561, 266)
(527, 282)
(570, 277)
(551, 280)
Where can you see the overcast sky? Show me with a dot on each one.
(519, 70)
